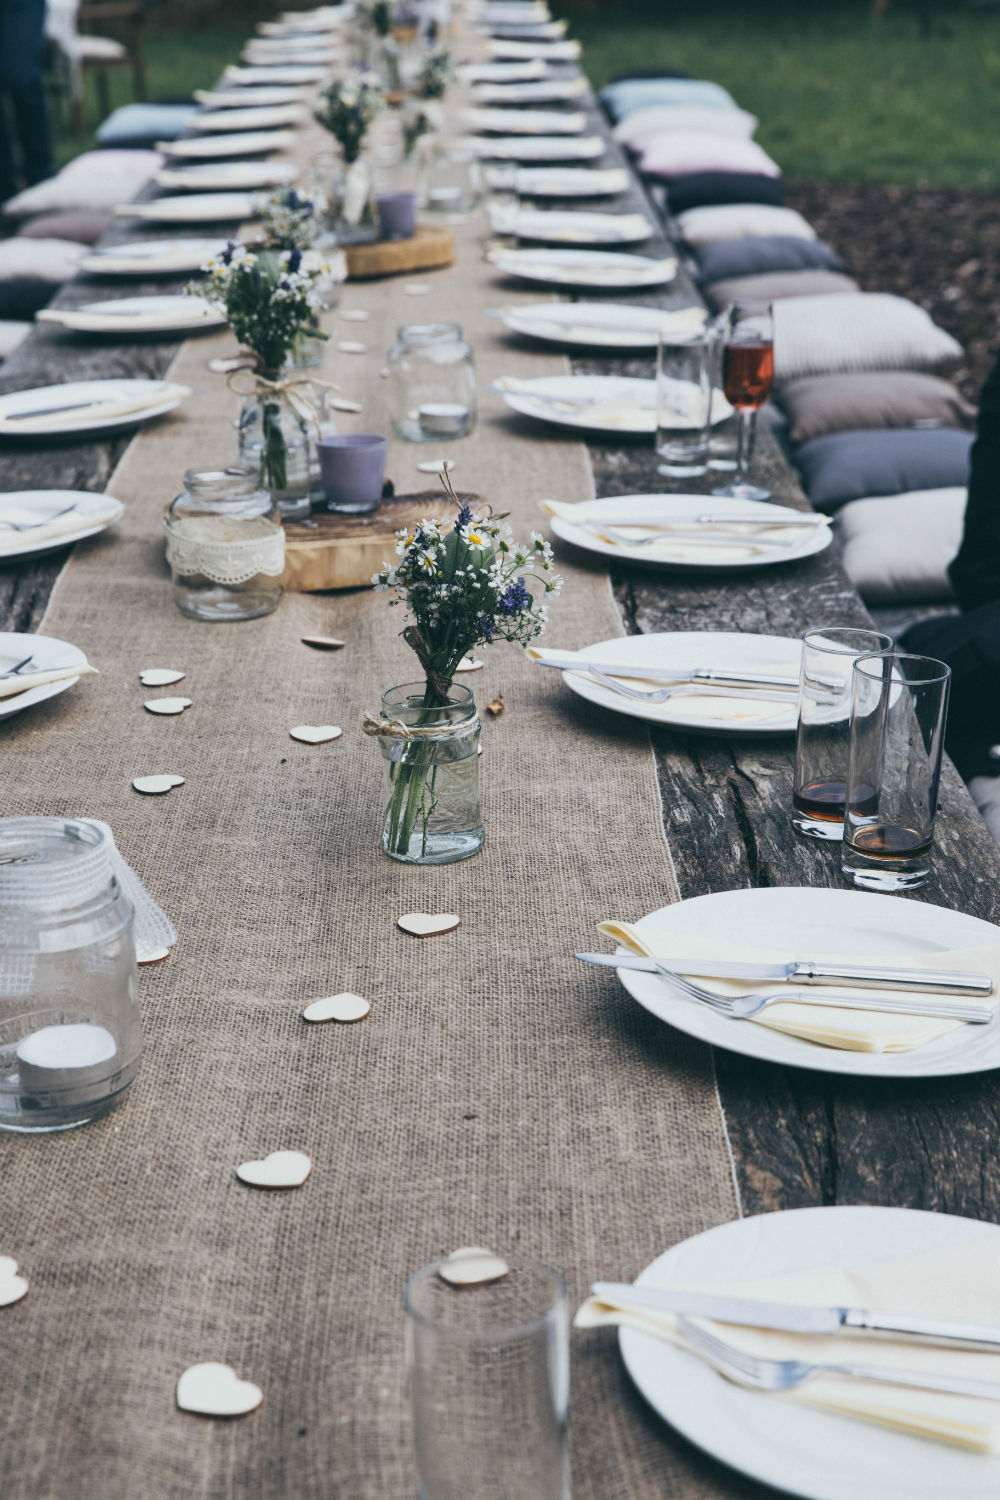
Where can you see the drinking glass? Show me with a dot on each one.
(899, 712)
(489, 1373)
(502, 205)
(683, 403)
(824, 728)
(451, 181)
(747, 377)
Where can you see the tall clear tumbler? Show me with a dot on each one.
(899, 712)
(683, 404)
(489, 1372)
(823, 736)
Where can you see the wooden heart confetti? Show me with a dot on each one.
(421, 924)
(435, 466)
(282, 1169)
(323, 642)
(152, 956)
(12, 1286)
(315, 734)
(155, 786)
(159, 676)
(344, 403)
(354, 315)
(213, 1390)
(470, 664)
(496, 708)
(472, 1266)
(166, 705)
(416, 289)
(349, 347)
(345, 1007)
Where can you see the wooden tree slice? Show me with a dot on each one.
(330, 551)
(427, 248)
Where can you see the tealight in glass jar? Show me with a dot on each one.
(225, 546)
(432, 383)
(69, 1024)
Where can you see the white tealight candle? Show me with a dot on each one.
(444, 197)
(68, 1064)
(443, 418)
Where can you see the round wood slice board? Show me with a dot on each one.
(427, 248)
(342, 552)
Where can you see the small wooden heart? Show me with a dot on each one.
(470, 664)
(435, 466)
(166, 705)
(159, 676)
(315, 734)
(472, 1266)
(282, 1169)
(349, 346)
(213, 1390)
(155, 786)
(353, 315)
(12, 1286)
(345, 1007)
(323, 642)
(421, 924)
(416, 289)
(152, 955)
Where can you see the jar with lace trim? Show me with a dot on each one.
(225, 546)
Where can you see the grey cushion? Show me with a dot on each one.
(821, 404)
(853, 465)
(896, 548)
(774, 285)
(81, 227)
(761, 253)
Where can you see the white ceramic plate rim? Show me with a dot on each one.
(640, 331)
(131, 259)
(841, 923)
(659, 506)
(572, 182)
(82, 390)
(48, 652)
(540, 148)
(800, 1451)
(250, 143)
(564, 224)
(83, 499)
(245, 175)
(196, 208)
(555, 267)
(151, 313)
(531, 403)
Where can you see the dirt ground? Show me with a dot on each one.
(939, 247)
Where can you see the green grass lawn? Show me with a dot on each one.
(839, 95)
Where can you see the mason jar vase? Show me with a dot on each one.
(431, 756)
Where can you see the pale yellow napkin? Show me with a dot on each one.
(24, 682)
(85, 417)
(960, 1282)
(827, 1025)
(61, 528)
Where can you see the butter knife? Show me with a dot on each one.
(809, 971)
(647, 673)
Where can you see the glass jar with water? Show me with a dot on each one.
(225, 546)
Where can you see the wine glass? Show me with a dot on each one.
(747, 376)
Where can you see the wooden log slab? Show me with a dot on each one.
(428, 248)
(331, 550)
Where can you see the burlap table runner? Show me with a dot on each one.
(498, 1094)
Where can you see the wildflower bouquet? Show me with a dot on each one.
(436, 72)
(347, 109)
(288, 221)
(378, 16)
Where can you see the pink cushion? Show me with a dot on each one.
(679, 152)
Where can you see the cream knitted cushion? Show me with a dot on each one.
(659, 119)
(835, 335)
(737, 221)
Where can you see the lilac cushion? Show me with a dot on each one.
(81, 227)
(95, 180)
(710, 189)
(680, 152)
(761, 253)
(852, 465)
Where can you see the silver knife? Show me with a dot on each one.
(48, 411)
(676, 674)
(789, 1317)
(808, 971)
(709, 518)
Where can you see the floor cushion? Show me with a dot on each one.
(82, 227)
(675, 116)
(702, 189)
(31, 272)
(852, 465)
(970, 644)
(820, 404)
(737, 221)
(985, 792)
(896, 549)
(620, 99)
(95, 180)
(868, 331)
(145, 124)
(11, 335)
(758, 254)
(676, 153)
(774, 285)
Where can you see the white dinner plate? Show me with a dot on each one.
(621, 405)
(537, 147)
(718, 650)
(534, 31)
(525, 121)
(294, 51)
(192, 208)
(93, 513)
(818, 923)
(787, 545)
(571, 182)
(225, 176)
(168, 314)
(98, 415)
(504, 49)
(565, 227)
(223, 120)
(593, 325)
(249, 98)
(504, 72)
(166, 257)
(544, 91)
(595, 270)
(47, 655)
(797, 1449)
(301, 73)
(243, 143)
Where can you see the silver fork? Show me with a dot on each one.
(33, 525)
(786, 1374)
(745, 1007)
(719, 538)
(13, 671)
(695, 686)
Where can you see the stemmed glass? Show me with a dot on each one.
(747, 377)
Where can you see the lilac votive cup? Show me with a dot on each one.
(352, 469)
(397, 215)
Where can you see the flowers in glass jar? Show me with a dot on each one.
(288, 220)
(269, 297)
(436, 72)
(347, 109)
(378, 16)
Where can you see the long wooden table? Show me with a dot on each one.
(798, 1138)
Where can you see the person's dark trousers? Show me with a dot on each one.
(24, 115)
(975, 573)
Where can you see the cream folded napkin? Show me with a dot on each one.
(24, 681)
(827, 1025)
(960, 1282)
(60, 528)
(86, 416)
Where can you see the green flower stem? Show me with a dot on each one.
(274, 468)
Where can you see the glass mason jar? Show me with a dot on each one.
(274, 440)
(432, 383)
(431, 755)
(225, 546)
(69, 1024)
(451, 180)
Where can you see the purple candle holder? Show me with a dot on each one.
(352, 469)
(397, 215)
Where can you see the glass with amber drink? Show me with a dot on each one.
(747, 377)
